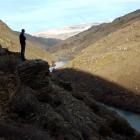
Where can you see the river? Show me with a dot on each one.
(58, 65)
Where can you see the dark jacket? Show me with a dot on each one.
(22, 39)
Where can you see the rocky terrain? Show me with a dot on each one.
(10, 39)
(71, 47)
(38, 105)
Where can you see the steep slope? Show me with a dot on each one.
(114, 57)
(72, 46)
(33, 107)
(10, 40)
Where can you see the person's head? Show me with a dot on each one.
(23, 31)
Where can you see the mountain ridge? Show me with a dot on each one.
(74, 45)
(65, 32)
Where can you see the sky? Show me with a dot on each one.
(39, 15)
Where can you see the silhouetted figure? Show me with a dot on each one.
(22, 39)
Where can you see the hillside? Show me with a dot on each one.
(114, 58)
(34, 107)
(74, 45)
(9, 39)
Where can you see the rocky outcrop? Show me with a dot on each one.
(33, 73)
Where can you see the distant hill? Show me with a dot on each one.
(74, 45)
(115, 57)
(65, 32)
(9, 39)
(45, 43)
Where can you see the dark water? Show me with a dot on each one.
(132, 118)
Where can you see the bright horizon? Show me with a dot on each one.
(36, 15)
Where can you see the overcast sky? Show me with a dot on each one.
(38, 15)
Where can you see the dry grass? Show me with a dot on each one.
(115, 57)
(74, 45)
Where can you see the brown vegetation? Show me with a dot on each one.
(115, 58)
(33, 107)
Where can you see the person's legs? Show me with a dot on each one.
(22, 52)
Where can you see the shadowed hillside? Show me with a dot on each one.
(74, 45)
(9, 39)
(33, 106)
(103, 90)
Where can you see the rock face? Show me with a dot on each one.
(33, 107)
(31, 72)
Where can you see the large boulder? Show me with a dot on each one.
(33, 73)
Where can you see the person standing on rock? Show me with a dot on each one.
(22, 39)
